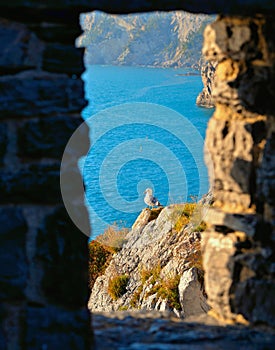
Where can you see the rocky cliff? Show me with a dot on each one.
(172, 39)
(205, 98)
(158, 268)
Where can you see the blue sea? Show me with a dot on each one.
(146, 131)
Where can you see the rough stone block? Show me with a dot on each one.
(243, 76)
(3, 342)
(57, 32)
(236, 222)
(256, 90)
(19, 48)
(217, 251)
(46, 137)
(233, 147)
(3, 141)
(232, 37)
(266, 173)
(252, 263)
(33, 184)
(191, 297)
(254, 298)
(63, 59)
(52, 327)
(13, 262)
(34, 93)
(63, 252)
(266, 183)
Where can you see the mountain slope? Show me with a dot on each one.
(172, 39)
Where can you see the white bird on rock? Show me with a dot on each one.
(149, 199)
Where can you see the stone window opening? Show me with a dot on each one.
(36, 88)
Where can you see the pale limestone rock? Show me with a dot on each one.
(192, 300)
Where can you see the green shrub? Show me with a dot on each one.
(117, 286)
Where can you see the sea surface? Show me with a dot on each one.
(146, 131)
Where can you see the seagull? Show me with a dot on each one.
(149, 199)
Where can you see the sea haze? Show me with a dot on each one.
(146, 131)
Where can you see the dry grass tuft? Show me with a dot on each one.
(136, 296)
(182, 214)
(113, 237)
(168, 290)
(153, 272)
(102, 249)
(117, 286)
(99, 258)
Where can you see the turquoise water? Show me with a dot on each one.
(146, 131)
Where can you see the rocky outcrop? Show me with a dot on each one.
(158, 260)
(161, 39)
(205, 98)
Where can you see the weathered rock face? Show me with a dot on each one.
(154, 254)
(208, 75)
(239, 246)
(192, 300)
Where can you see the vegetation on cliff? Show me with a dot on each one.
(159, 266)
(102, 249)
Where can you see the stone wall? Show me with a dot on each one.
(43, 276)
(239, 246)
(43, 284)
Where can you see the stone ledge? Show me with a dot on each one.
(151, 330)
(237, 222)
